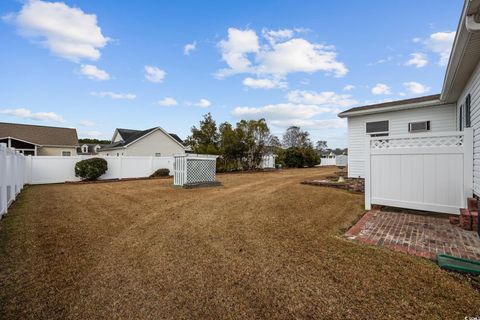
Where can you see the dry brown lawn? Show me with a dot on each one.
(262, 246)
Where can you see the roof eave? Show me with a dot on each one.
(399, 107)
(458, 51)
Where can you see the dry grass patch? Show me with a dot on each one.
(260, 246)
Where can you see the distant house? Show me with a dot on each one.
(89, 148)
(151, 142)
(39, 140)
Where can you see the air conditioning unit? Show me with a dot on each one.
(420, 126)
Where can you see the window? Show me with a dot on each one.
(158, 154)
(460, 118)
(377, 128)
(85, 149)
(66, 153)
(467, 111)
(419, 126)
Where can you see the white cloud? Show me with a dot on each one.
(189, 47)
(264, 83)
(325, 98)
(415, 87)
(277, 35)
(168, 102)
(86, 123)
(235, 50)
(281, 111)
(92, 72)
(301, 105)
(154, 74)
(66, 31)
(336, 123)
(417, 59)
(280, 56)
(203, 103)
(348, 87)
(299, 55)
(381, 88)
(114, 95)
(27, 114)
(439, 43)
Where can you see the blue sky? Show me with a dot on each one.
(98, 65)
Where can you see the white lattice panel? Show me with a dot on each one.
(417, 142)
(192, 168)
(201, 170)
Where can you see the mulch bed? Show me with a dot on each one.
(353, 185)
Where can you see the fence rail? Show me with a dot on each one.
(12, 176)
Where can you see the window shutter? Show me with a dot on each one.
(467, 111)
(460, 118)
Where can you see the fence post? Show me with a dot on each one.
(467, 164)
(120, 159)
(3, 180)
(368, 159)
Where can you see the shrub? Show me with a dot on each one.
(301, 157)
(91, 169)
(162, 172)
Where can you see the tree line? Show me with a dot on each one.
(242, 147)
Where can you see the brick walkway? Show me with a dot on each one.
(417, 234)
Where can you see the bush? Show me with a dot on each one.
(91, 169)
(163, 172)
(301, 157)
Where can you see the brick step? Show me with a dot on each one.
(468, 219)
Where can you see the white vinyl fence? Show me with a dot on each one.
(194, 168)
(431, 171)
(45, 169)
(327, 162)
(12, 176)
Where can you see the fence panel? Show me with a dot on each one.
(51, 169)
(12, 176)
(431, 172)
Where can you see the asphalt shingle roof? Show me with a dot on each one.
(40, 135)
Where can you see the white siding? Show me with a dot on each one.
(442, 118)
(473, 88)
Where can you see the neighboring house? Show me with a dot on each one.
(151, 142)
(89, 148)
(39, 140)
(457, 107)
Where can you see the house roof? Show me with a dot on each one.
(40, 135)
(130, 135)
(393, 105)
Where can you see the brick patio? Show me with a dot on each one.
(417, 234)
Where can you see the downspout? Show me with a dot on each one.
(472, 22)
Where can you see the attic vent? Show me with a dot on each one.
(419, 126)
